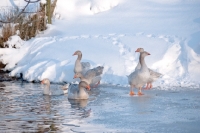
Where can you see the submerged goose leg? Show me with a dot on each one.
(131, 91)
(140, 91)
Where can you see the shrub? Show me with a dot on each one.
(27, 24)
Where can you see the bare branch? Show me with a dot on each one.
(22, 11)
(32, 1)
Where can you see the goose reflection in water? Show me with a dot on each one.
(47, 102)
(80, 104)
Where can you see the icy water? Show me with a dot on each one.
(23, 108)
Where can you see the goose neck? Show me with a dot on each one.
(142, 62)
(79, 57)
(138, 65)
(81, 90)
(81, 77)
(47, 89)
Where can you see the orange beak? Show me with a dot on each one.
(74, 54)
(75, 76)
(88, 87)
(41, 82)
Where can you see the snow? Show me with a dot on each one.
(108, 32)
(14, 42)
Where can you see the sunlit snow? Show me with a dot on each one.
(108, 32)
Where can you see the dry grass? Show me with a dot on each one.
(7, 31)
(27, 25)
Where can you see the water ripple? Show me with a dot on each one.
(23, 108)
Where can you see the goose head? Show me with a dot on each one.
(78, 52)
(140, 50)
(143, 54)
(45, 81)
(78, 75)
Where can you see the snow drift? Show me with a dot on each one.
(108, 32)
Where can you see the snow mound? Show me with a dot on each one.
(103, 5)
(14, 42)
(74, 8)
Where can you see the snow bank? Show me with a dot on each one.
(169, 32)
(51, 57)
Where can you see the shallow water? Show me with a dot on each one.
(23, 108)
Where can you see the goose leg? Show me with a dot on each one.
(131, 91)
(140, 91)
(150, 86)
(147, 87)
(96, 84)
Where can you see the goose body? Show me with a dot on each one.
(82, 70)
(80, 67)
(92, 76)
(139, 77)
(153, 75)
(78, 91)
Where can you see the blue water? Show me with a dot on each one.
(23, 108)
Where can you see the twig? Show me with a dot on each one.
(22, 11)
(32, 1)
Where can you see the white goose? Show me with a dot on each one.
(139, 77)
(92, 76)
(153, 75)
(53, 91)
(80, 67)
(78, 92)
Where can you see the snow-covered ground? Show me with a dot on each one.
(108, 32)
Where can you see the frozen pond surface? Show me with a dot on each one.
(23, 108)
